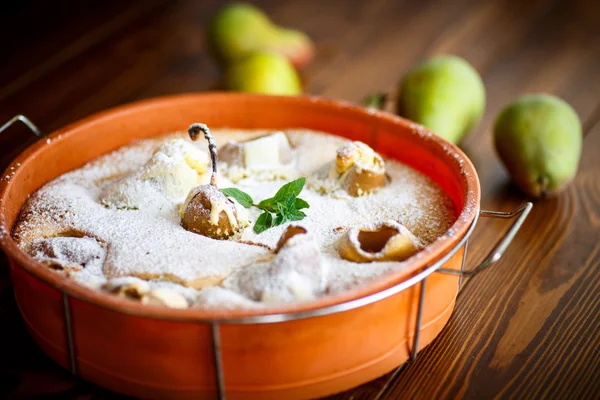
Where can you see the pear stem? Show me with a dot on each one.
(194, 132)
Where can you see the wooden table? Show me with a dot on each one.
(528, 328)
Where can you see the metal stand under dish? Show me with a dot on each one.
(421, 278)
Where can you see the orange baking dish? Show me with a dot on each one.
(292, 352)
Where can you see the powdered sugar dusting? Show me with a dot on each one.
(146, 240)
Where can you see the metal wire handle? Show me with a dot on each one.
(36, 131)
(500, 248)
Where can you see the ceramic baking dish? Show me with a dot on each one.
(292, 352)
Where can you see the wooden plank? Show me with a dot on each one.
(552, 50)
(69, 29)
(397, 46)
(519, 316)
(491, 30)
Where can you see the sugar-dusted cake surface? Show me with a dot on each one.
(118, 219)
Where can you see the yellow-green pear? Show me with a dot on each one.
(239, 29)
(266, 73)
(538, 138)
(445, 94)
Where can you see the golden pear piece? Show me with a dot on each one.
(207, 211)
(289, 233)
(362, 170)
(389, 241)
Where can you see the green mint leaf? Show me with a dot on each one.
(289, 203)
(281, 208)
(296, 216)
(300, 204)
(267, 205)
(263, 222)
(281, 214)
(243, 198)
(279, 219)
(286, 214)
(290, 189)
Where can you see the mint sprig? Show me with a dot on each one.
(285, 206)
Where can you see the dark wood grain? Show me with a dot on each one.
(527, 328)
(510, 319)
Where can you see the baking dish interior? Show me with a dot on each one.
(74, 145)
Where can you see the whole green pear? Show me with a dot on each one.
(445, 94)
(538, 138)
(239, 29)
(267, 73)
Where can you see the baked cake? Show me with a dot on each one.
(146, 222)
